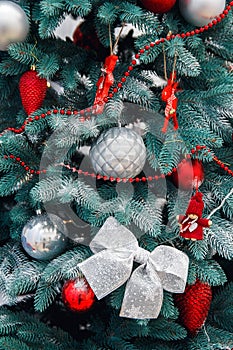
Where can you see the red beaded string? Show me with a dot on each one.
(82, 114)
(85, 113)
(88, 111)
(195, 150)
(215, 21)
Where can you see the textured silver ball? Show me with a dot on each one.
(118, 152)
(43, 237)
(201, 12)
(14, 24)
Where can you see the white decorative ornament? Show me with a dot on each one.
(44, 236)
(115, 249)
(118, 152)
(201, 12)
(14, 24)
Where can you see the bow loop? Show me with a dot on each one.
(116, 249)
(113, 235)
(171, 266)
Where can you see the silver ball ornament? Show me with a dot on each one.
(14, 24)
(44, 237)
(201, 12)
(118, 152)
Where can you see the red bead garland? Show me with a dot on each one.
(85, 114)
(195, 150)
(126, 74)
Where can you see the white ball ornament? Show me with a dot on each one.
(14, 24)
(118, 152)
(44, 237)
(201, 12)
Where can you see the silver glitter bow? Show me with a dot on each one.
(116, 248)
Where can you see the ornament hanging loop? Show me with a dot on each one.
(33, 55)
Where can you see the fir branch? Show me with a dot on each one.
(108, 13)
(115, 298)
(10, 67)
(170, 154)
(65, 266)
(47, 25)
(136, 91)
(102, 32)
(221, 205)
(221, 337)
(166, 330)
(153, 148)
(146, 218)
(45, 295)
(131, 13)
(113, 109)
(196, 46)
(51, 7)
(220, 239)
(24, 279)
(12, 343)
(221, 309)
(150, 56)
(47, 189)
(11, 182)
(217, 93)
(186, 62)
(168, 308)
(210, 271)
(71, 77)
(48, 66)
(117, 343)
(199, 249)
(221, 187)
(81, 9)
(24, 53)
(222, 49)
(24, 331)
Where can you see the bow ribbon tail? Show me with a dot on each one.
(106, 271)
(143, 295)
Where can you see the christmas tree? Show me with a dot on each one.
(116, 175)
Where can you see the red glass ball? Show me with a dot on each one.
(77, 295)
(189, 174)
(158, 6)
(88, 41)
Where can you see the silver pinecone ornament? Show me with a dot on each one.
(118, 152)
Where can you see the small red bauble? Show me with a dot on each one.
(88, 41)
(194, 305)
(189, 174)
(77, 295)
(32, 91)
(158, 6)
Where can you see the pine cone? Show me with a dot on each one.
(32, 91)
(194, 305)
